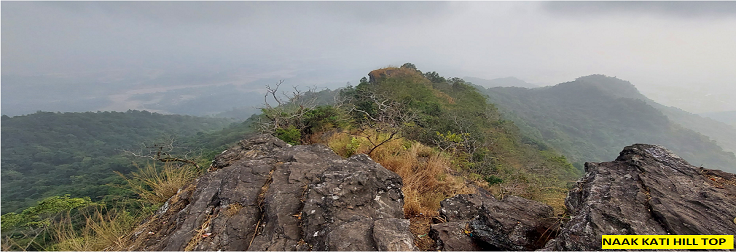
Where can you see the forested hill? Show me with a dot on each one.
(594, 117)
(46, 154)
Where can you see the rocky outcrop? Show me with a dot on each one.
(264, 194)
(647, 190)
(481, 222)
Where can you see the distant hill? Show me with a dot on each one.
(728, 117)
(724, 134)
(593, 117)
(500, 82)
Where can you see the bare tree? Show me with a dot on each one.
(289, 109)
(385, 123)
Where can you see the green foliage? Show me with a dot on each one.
(29, 229)
(492, 180)
(290, 135)
(434, 77)
(353, 146)
(452, 115)
(46, 154)
(323, 118)
(410, 66)
(42, 213)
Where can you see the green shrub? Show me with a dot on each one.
(492, 180)
(290, 135)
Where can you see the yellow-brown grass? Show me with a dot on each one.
(158, 185)
(101, 231)
(426, 173)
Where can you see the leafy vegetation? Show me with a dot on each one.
(80, 153)
(594, 117)
(47, 154)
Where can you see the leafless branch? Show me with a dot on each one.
(164, 151)
(289, 109)
(388, 120)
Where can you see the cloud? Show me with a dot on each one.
(723, 9)
(123, 46)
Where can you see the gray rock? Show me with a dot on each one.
(513, 223)
(266, 195)
(464, 207)
(481, 222)
(453, 236)
(647, 190)
(392, 234)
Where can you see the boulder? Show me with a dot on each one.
(513, 223)
(481, 222)
(464, 207)
(264, 194)
(453, 236)
(646, 190)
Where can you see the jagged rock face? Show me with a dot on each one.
(647, 190)
(267, 195)
(481, 222)
(514, 223)
(464, 207)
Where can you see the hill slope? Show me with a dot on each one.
(45, 154)
(500, 82)
(728, 117)
(593, 117)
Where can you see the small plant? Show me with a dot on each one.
(352, 147)
(492, 180)
(290, 135)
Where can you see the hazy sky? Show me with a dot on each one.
(103, 53)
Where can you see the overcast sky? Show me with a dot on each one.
(677, 53)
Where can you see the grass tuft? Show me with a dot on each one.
(101, 231)
(158, 185)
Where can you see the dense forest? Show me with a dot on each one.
(46, 154)
(594, 117)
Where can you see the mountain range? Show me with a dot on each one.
(591, 118)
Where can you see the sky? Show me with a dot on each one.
(89, 56)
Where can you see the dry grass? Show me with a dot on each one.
(531, 187)
(420, 228)
(158, 185)
(233, 209)
(426, 173)
(101, 231)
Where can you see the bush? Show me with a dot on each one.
(290, 135)
(492, 180)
